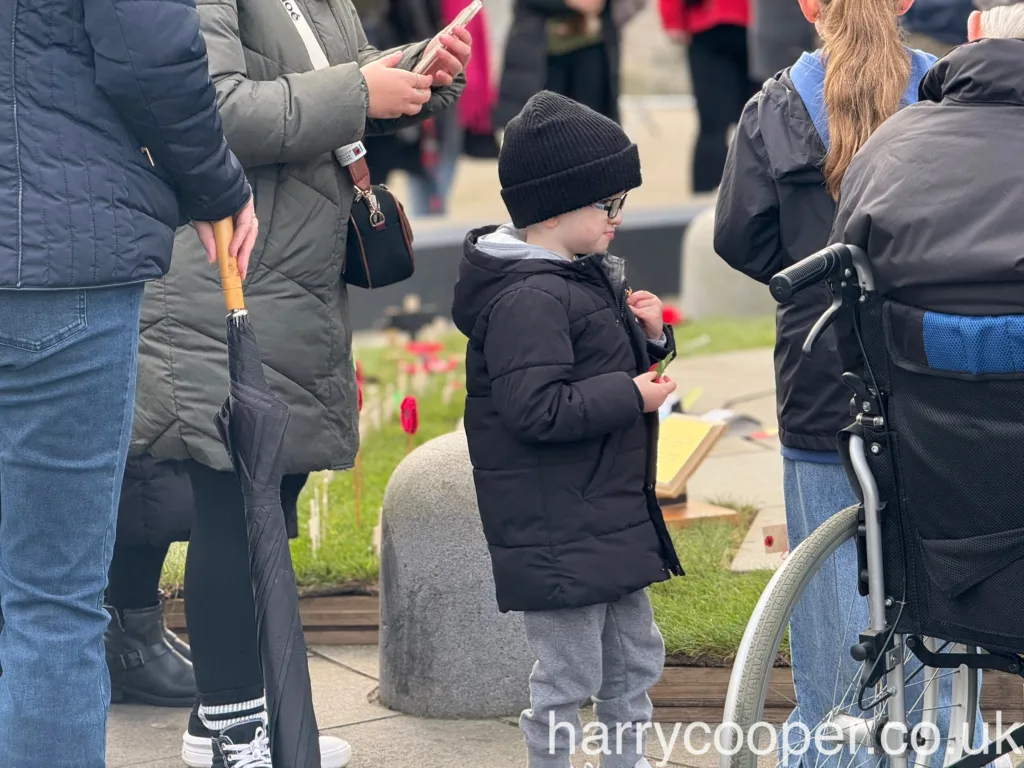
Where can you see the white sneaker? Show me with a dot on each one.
(197, 752)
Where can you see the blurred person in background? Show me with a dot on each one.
(284, 120)
(570, 47)
(778, 35)
(429, 152)
(715, 33)
(937, 26)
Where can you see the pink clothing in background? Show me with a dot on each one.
(478, 97)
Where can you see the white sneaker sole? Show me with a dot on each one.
(197, 752)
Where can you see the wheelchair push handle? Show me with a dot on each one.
(813, 269)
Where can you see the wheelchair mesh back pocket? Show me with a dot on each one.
(957, 406)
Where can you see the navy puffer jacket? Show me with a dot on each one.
(109, 140)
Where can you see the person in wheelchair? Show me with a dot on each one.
(931, 210)
(776, 205)
(925, 273)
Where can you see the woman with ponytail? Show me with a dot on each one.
(776, 205)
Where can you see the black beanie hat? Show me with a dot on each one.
(558, 155)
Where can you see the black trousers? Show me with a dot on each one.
(721, 86)
(582, 75)
(219, 605)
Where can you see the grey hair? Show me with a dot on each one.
(1004, 22)
(1001, 19)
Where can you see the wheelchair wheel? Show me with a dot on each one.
(858, 728)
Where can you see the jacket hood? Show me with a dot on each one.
(808, 78)
(793, 119)
(986, 71)
(497, 257)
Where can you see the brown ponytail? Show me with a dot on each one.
(867, 68)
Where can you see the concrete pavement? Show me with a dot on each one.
(344, 684)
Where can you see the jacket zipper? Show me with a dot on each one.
(649, 484)
(620, 304)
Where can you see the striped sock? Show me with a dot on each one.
(224, 716)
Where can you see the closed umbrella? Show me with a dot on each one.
(252, 425)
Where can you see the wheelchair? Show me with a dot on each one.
(933, 453)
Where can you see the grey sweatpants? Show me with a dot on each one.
(613, 652)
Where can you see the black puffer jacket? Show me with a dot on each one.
(774, 210)
(556, 430)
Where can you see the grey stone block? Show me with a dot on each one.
(710, 287)
(445, 649)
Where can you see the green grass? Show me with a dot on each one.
(346, 559)
(702, 615)
(726, 334)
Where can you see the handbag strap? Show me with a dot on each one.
(351, 156)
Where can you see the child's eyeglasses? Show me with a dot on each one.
(613, 206)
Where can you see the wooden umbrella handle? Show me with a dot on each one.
(230, 277)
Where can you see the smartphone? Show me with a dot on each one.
(429, 57)
(660, 370)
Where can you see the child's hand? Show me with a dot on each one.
(647, 308)
(654, 392)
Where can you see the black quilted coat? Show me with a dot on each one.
(556, 430)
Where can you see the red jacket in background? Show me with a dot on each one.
(676, 16)
(478, 95)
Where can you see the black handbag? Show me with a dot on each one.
(379, 250)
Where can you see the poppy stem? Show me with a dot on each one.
(357, 482)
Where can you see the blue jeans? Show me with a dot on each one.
(829, 618)
(68, 364)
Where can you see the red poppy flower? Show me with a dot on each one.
(410, 417)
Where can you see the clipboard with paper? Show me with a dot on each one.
(684, 442)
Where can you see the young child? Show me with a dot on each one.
(562, 425)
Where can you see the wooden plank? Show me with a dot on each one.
(681, 515)
(329, 637)
(348, 637)
(669, 716)
(686, 693)
(689, 694)
(333, 620)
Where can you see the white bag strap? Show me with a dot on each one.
(316, 54)
(350, 152)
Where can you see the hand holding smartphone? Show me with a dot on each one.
(428, 60)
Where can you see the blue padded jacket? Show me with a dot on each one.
(110, 139)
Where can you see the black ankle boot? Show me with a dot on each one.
(143, 666)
